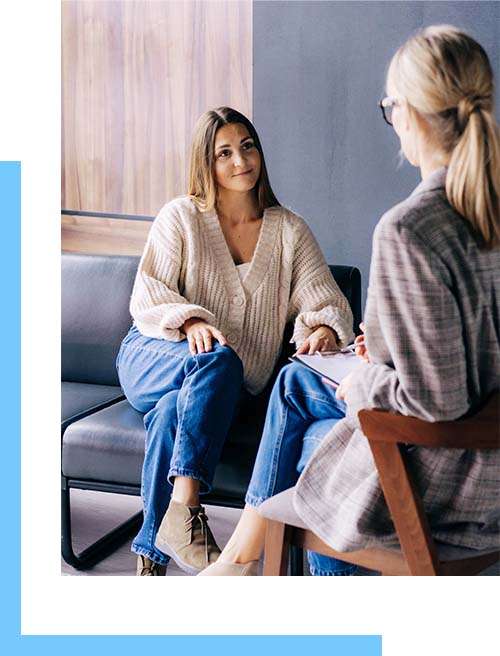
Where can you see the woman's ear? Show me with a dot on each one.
(407, 118)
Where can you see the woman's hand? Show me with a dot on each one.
(340, 390)
(200, 335)
(322, 339)
(344, 386)
(361, 349)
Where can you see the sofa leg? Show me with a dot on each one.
(276, 549)
(99, 549)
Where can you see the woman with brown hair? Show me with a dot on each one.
(223, 270)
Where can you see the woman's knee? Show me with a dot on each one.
(164, 412)
(227, 360)
(291, 375)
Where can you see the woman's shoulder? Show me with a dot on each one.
(179, 215)
(174, 220)
(291, 221)
(180, 207)
(425, 217)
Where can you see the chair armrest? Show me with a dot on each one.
(480, 431)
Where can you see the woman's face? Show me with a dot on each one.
(237, 160)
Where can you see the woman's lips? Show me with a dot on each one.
(244, 173)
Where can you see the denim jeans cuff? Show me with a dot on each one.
(253, 501)
(205, 487)
(348, 571)
(151, 554)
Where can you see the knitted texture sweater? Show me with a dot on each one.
(186, 270)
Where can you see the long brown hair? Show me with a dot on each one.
(445, 76)
(202, 187)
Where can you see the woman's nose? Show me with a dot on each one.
(239, 159)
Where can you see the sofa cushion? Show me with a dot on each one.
(80, 399)
(108, 446)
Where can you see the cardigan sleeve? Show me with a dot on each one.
(315, 297)
(419, 324)
(157, 307)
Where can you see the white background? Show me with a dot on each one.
(415, 616)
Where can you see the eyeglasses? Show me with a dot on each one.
(386, 105)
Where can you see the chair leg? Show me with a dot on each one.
(276, 548)
(99, 549)
(296, 561)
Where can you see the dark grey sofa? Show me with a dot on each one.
(102, 435)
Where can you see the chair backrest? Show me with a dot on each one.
(477, 430)
(349, 280)
(96, 291)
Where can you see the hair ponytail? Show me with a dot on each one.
(473, 180)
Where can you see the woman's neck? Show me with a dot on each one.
(431, 160)
(428, 168)
(237, 207)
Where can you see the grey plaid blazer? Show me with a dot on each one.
(432, 331)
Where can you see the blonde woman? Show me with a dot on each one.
(224, 269)
(431, 347)
(432, 317)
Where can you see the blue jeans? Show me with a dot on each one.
(189, 402)
(301, 411)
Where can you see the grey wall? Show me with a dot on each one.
(319, 71)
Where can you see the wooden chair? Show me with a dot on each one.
(418, 554)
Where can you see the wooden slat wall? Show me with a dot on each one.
(136, 75)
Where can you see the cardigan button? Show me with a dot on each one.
(232, 338)
(237, 300)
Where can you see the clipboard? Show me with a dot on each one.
(334, 366)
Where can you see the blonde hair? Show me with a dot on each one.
(202, 187)
(445, 76)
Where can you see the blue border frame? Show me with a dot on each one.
(12, 641)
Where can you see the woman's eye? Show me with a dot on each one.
(224, 153)
(248, 145)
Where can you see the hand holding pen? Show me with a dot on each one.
(360, 345)
(360, 349)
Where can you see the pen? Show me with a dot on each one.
(348, 349)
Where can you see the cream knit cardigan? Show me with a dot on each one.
(186, 270)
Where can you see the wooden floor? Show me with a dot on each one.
(95, 513)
